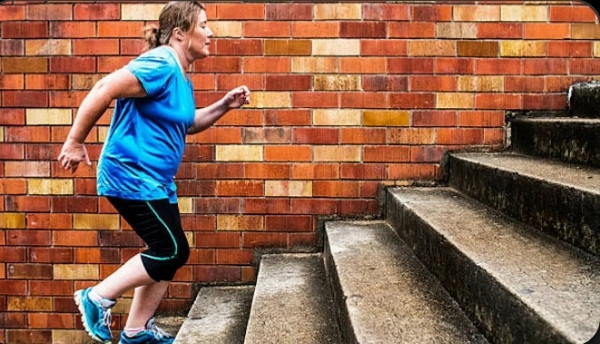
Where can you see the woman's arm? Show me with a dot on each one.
(207, 116)
(119, 84)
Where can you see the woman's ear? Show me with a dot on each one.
(178, 34)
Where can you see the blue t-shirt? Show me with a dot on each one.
(146, 139)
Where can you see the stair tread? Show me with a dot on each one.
(218, 316)
(578, 177)
(559, 282)
(389, 294)
(292, 302)
(575, 120)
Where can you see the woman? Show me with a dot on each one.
(154, 112)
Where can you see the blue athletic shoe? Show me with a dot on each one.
(95, 316)
(152, 335)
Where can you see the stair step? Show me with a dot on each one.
(583, 99)
(218, 316)
(521, 286)
(292, 302)
(573, 140)
(385, 295)
(562, 200)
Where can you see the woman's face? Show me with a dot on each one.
(199, 38)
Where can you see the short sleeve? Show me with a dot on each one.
(152, 71)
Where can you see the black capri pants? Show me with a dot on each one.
(158, 223)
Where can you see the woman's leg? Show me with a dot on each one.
(146, 299)
(131, 275)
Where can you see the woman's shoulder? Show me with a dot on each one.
(159, 54)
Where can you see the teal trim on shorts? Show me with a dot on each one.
(170, 234)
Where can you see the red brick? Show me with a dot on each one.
(216, 273)
(358, 207)
(27, 134)
(59, 29)
(289, 11)
(422, 154)
(493, 136)
(315, 100)
(569, 49)
(388, 47)
(49, 12)
(545, 66)
(73, 65)
(10, 47)
(386, 154)
(28, 203)
(243, 117)
(266, 65)
(47, 81)
(266, 206)
(363, 65)
(49, 221)
(240, 11)
(288, 153)
(74, 204)
(13, 186)
(302, 240)
(218, 135)
(234, 257)
(11, 82)
(12, 12)
(24, 65)
(560, 83)
(288, 82)
(96, 11)
(119, 239)
(352, 29)
(459, 136)
(196, 188)
(585, 66)
(454, 66)
(51, 320)
(523, 84)
(583, 14)
(386, 12)
(362, 135)
(363, 171)
(218, 205)
(433, 83)
(267, 29)
(434, 118)
(384, 83)
(29, 271)
(13, 287)
(412, 100)
(12, 254)
(74, 238)
(411, 30)
(481, 118)
(335, 189)
(410, 65)
(134, 47)
(219, 65)
(545, 101)
(217, 240)
(247, 188)
(238, 47)
(264, 240)
(315, 171)
(310, 29)
(284, 117)
(120, 29)
(27, 29)
(432, 13)
(101, 46)
(316, 136)
(201, 256)
(180, 290)
(229, 81)
(499, 30)
(109, 64)
(267, 171)
(498, 101)
(219, 171)
(546, 31)
(364, 100)
(61, 99)
(289, 223)
(316, 206)
(497, 66)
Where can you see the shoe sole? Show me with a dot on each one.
(77, 297)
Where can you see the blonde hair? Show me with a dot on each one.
(181, 14)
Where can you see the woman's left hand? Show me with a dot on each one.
(237, 97)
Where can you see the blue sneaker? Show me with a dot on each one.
(152, 335)
(95, 316)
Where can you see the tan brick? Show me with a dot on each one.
(337, 11)
(239, 153)
(432, 48)
(288, 188)
(476, 13)
(50, 186)
(29, 303)
(270, 100)
(337, 82)
(122, 307)
(76, 272)
(48, 116)
(522, 48)
(519, 13)
(336, 47)
(412, 136)
(477, 48)
(585, 31)
(12, 220)
(336, 117)
(1, 134)
(455, 100)
(96, 221)
(456, 30)
(85, 81)
(189, 236)
(481, 83)
(24, 65)
(141, 11)
(385, 118)
(226, 28)
(596, 49)
(240, 223)
(314, 65)
(27, 169)
(102, 133)
(186, 205)
(337, 153)
(288, 47)
(69, 336)
(39, 47)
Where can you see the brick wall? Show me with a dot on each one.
(346, 97)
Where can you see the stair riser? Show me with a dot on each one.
(496, 311)
(568, 214)
(570, 142)
(343, 316)
(585, 100)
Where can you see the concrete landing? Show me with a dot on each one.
(385, 294)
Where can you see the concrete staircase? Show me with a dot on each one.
(507, 252)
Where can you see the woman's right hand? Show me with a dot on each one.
(71, 154)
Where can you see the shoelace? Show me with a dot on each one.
(106, 318)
